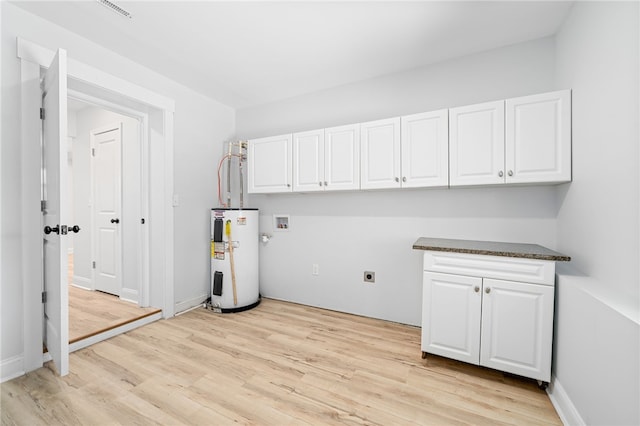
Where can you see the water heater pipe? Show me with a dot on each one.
(229, 174)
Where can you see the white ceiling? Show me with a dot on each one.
(247, 53)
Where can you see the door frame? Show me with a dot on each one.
(33, 58)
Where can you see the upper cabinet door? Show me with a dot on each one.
(380, 154)
(477, 144)
(425, 149)
(270, 164)
(308, 161)
(538, 138)
(342, 157)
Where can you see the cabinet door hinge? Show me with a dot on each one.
(44, 297)
(41, 113)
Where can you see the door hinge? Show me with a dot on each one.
(93, 264)
(41, 113)
(44, 297)
(93, 152)
(43, 205)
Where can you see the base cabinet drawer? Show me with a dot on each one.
(500, 324)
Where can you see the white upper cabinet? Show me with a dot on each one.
(380, 154)
(425, 149)
(342, 158)
(476, 144)
(269, 161)
(308, 161)
(525, 140)
(538, 138)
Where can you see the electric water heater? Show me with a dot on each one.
(234, 259)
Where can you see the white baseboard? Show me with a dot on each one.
(129, 295)
(563, 404)
(188, 304)
(81, 344)
(11, 368)
(82, 282)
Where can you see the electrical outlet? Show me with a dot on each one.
(315, 269)
(369, 277)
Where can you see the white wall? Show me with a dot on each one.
(597, 347)
(348, 233)
(200, 124)
(87, 120)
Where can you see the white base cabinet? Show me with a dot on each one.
(473, 314)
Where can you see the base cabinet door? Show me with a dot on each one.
(517, 328)
(451, 316)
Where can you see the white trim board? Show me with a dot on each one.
(131, 296)
(563, 404)
(182, 307)
(42, 56)
(11, 368)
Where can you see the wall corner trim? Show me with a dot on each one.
(562, 403)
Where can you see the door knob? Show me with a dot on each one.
(74, 228)
(55, 229)
(116, 220)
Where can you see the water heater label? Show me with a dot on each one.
(217, 250)
(242, 220)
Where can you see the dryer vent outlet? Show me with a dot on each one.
(369, 277)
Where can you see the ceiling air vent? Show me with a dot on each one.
(115, 8)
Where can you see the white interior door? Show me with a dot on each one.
(56, 211)
(106, 165)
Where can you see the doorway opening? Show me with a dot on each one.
(105, 180)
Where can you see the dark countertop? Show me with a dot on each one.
(491, 248)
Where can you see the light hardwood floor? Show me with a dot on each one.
(93, 312)
(279, 364)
